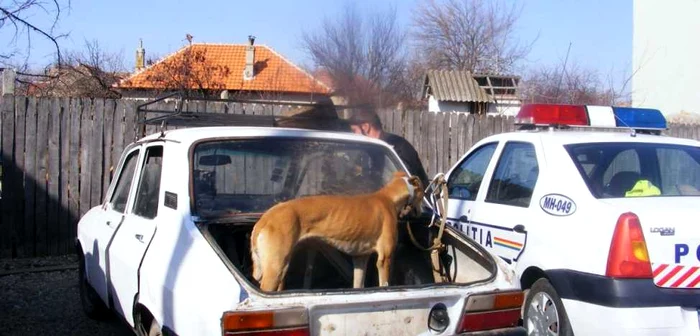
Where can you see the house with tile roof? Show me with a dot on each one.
(462, 91)
(226, 71)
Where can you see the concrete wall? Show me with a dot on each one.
(445, 106)
(667, 55)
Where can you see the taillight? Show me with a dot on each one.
(284, 322)
(491, 311)
(628, 256)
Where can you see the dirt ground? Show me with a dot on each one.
(47, 302)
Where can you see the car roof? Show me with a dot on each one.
(190, 135)
(565, 137)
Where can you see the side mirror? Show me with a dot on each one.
(214, 160)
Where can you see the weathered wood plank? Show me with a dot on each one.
(117, 134)
(441, 151)
(30, 177)
(467, 137)
(107, 138)
(42, 145)
(85, 155)
(18, 189)
(66, 245)
(454, 139)
(97, 152)
(410, 133)
(74, 160)
(432, 144)
(130, 123)
(7, 220)
(445, 153)
(398, 120)
(53, 200)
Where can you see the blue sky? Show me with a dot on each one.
(600, 31)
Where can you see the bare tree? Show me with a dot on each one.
(468, 35)
(83, 73)
(21, 16)
(571, 85)
(363, 55)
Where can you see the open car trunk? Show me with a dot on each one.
(236, 180)
(316, 266)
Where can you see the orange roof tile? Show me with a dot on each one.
(273, 72)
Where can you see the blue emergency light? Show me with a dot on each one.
(591, 116)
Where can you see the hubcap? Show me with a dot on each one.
(542, 316)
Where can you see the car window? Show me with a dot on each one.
(250, 175)
(334, 173)
(638, 169)
(146, 203)
(465, 180)
(625, 163)
(121, 190)
(683, 176)
(515, 176)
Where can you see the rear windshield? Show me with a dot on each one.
(614, 170)
(251, 175)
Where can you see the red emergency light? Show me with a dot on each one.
(552, 114)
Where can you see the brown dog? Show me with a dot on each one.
(357, 225)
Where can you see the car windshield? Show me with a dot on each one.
(251, 175)
(615, 170)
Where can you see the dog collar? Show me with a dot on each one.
(411, 190)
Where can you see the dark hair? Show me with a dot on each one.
(364, 115)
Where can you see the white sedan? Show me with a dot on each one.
(597, 225)
(168, 250)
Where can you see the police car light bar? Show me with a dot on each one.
(590, 116)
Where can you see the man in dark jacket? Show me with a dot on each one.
(364, 121)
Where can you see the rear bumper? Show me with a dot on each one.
(516, 331)
(592, 319)
(619, 293)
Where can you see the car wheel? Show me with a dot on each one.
(544, 311)
(93, 306)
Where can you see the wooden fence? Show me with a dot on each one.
(58, 154)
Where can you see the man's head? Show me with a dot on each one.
(366, 122)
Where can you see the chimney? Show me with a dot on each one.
(249, 71)
(140, 56)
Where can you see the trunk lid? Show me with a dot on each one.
(671, 227)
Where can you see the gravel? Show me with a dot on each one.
(47, 302)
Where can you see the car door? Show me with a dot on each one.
(501, 212)
(96, 256)
(464, 184)
(134, 235)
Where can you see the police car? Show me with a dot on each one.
(600, 225)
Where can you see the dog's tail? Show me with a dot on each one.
(255, 257)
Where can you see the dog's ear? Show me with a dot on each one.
(416, 182)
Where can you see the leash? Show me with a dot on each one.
(439, 197)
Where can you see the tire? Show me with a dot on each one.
(92, 305)
(544, 312)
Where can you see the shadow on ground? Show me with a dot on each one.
(47, 303)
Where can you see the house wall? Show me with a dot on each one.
(665, 55)
(445, 106)
(508, 107)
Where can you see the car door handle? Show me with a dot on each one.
(139, 237)
(463, 219)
